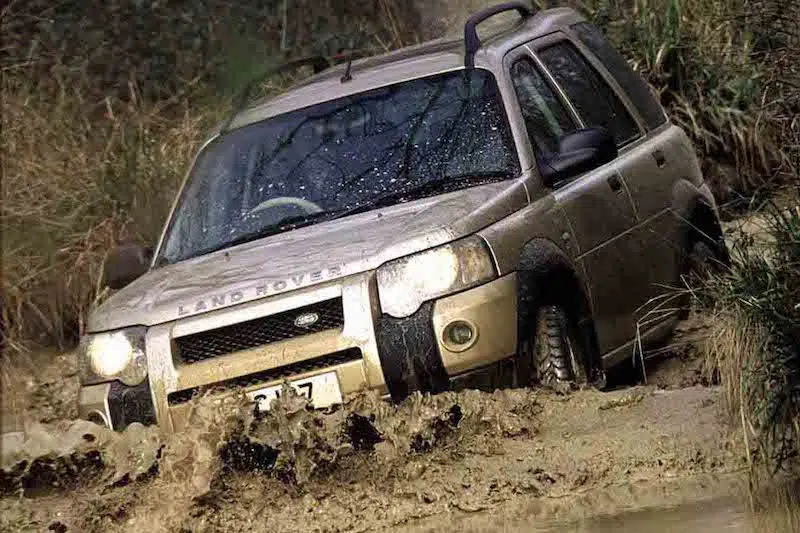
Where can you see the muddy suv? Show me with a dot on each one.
(509, 209)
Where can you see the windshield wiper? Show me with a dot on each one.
(422, 190)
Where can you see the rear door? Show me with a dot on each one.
(613, 259)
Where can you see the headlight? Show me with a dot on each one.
(115, 355)
(406, 283)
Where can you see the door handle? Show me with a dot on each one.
(660, 158)
(615, 183)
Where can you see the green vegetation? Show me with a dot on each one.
(723, 71)
(103, 108)
(73, 186)
(754, 348)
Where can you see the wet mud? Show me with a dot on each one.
(514, 460)
(370, 465)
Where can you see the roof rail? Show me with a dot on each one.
(471, 41)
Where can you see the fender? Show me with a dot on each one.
(548, 272)
(686, 197)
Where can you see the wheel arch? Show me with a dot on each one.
(703, 222)
(546, 275)
(699, 216)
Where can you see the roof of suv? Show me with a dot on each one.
(411, 62)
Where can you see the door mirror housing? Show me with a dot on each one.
(578, 151)
(125, 263)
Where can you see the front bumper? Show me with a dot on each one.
(370, 351)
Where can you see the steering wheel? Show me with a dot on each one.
(306, 205)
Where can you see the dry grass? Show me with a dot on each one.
(754, 348)
(776, 509)
(721, 68)
(71, 189)
(99, 126)
(734, 343)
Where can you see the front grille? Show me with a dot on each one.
(265, 376)
(258, 332)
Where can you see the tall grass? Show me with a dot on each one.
(721, 68)
(103, 109)
(724, 71)
(73, 187)
(754, 350)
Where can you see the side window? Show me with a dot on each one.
(633, 84)
(546, 118)
(592, 97)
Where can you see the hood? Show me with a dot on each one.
(305, 256)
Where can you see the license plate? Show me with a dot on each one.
(322, 390)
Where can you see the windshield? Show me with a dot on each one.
(376, 148)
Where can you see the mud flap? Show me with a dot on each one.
(409, 355)
(130, 404)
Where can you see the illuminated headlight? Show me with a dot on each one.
(406, 283)
(115, 355)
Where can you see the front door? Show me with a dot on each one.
(598, 204)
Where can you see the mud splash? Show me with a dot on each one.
(369, 465)
(292, 446)
(297, 443)
(67, 453)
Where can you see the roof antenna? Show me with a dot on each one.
(347, 77)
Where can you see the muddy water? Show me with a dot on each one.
(732, 513)
(725, 515)
(721, 509)
(480, 462)
(698, 504)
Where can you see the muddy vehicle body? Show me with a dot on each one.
(510, 208)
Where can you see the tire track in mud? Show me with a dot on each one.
(370, 465)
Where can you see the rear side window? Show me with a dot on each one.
(546, 119)
(633, 84)
(592, 97)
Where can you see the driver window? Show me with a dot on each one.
(546, 118)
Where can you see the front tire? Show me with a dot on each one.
(550, 354)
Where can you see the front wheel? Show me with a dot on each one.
(550, 353)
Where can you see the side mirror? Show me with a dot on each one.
(125, 263)
(578, 151)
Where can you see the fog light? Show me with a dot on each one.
(459, 335)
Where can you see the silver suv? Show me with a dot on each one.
(465, 213)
